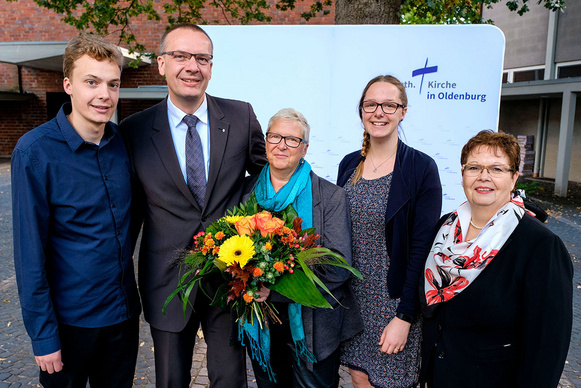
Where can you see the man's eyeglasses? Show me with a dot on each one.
(387, 107)
(184, 56)
(290, 141)
(495, 170)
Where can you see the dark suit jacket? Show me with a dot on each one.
(413, 209)
(511, 327)
(163, 203)
(325, 329)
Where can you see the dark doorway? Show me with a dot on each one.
(54, 101)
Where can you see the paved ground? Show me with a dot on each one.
(18, 369)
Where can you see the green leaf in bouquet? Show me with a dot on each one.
(221, 297)
(183, 284)
(320, 255)
(195, 260)
(307, 231)
(290, 214)
(245, 208)
(300, 288)
(186, 284)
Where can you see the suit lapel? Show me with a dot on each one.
(163, 143)
(219, 130)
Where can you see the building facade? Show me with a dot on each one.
(542, 85)
(541, 80)
(32, 41)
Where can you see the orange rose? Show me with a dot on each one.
(245, 226)
(267, 224)
(279, 266)
(257, 272)
(247, 298)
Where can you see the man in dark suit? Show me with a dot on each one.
(190, 154)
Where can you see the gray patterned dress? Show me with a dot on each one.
(368, 203)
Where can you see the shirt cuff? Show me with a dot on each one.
(46, 346)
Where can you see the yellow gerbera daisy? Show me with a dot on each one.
(232, 219)
(237, 249)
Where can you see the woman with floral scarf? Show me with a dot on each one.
(497, 294)
(303, 351)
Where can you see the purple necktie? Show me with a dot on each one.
(195, 169)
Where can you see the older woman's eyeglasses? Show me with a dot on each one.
(495, 170)
(184, 56)
(387, 107)
(290, 141)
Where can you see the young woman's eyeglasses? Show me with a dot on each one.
(290, 141)
(495, 170)
(387, 107)
(184, 56)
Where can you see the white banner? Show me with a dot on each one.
(452, 75)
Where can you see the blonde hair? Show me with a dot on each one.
(366, 138)
(94, 46)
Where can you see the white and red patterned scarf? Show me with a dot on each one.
(453, 263)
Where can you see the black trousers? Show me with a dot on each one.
(104, 356)
(289, 371)
(225, 356)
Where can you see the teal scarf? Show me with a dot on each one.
(298, 193)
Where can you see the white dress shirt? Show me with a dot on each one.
(179, 129)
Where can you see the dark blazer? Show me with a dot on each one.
(164, 205)
(325, 329)
(511, 327)
(413, 209)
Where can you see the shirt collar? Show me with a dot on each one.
(73, 139)
(176, 114)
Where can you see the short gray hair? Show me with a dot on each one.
(290, 114)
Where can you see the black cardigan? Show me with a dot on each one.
(511, 327)
(413, 209)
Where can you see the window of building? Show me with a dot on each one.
(569, 71)
(528, 75)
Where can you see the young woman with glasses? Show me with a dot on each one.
(395, 199)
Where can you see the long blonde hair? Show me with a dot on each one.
(366, 138)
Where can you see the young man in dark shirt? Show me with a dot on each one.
(71, 195)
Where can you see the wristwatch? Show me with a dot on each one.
(404, 317)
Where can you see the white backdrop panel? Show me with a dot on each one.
(452, 76)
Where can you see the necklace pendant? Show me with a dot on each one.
(375, 170)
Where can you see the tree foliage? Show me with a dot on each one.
(462, 11)
(106, 17)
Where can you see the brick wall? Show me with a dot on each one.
(127, 107)
(25, 21)
(19, 117)
(146, 75)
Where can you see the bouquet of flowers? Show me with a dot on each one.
(250, 248)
